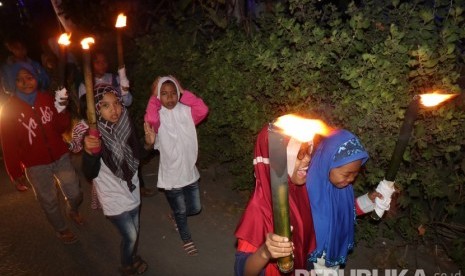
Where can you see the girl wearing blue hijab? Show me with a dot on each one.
(26, 82)
(31, 129)
(333, 168)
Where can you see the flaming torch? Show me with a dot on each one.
(386, 187)
(88, 80)
(120, 24)
(63, 41)
(91, 117)
(279, 133)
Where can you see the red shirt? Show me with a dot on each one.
(32, 135)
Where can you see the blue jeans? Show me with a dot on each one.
(127, 224)
(184, 202)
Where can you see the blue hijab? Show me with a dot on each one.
(29, 98)
(333, 209)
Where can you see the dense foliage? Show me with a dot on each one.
(356, 69)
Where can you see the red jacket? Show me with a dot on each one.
(32, 135)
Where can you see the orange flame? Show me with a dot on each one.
(433, 99)
(86, 41)
(64, 39)
(300, 128)
(121, 21)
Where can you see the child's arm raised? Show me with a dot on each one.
(199, 109)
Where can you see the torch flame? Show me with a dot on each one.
(300, 128)
(64, 39)
(86, 41)
(121, 21)
(434, 99)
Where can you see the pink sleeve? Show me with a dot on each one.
(152, 115)
(199, 109)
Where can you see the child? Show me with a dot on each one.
(101, 75)
(121, 84)
(258, 247)
(173, 114)
(31, 128)
(114, 172)
(333, 168)
(19, 53)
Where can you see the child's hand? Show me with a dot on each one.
(374, 194)
(278, 246)
(154, 87)
(61, 99)
(150, 135)
(91, 143)
(123, 80)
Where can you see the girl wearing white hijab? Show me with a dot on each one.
(171, 116)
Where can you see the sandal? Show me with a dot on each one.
(173, 221)
(139, 265)
(190, 248)
(21, 187)
(67, 237)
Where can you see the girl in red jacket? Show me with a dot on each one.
(31, 128)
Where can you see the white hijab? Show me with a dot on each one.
(177, 143)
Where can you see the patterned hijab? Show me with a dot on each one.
(333, 209)
(257, 219)
(119, 151)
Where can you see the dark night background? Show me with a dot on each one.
(31, 20)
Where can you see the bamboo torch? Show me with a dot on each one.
(425, 100)
(279, 133)
(120, 24)
(88, 81)
(63, 42)
(277, 143)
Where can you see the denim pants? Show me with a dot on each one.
(45, 179)
(127, 224)
(184, 202)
